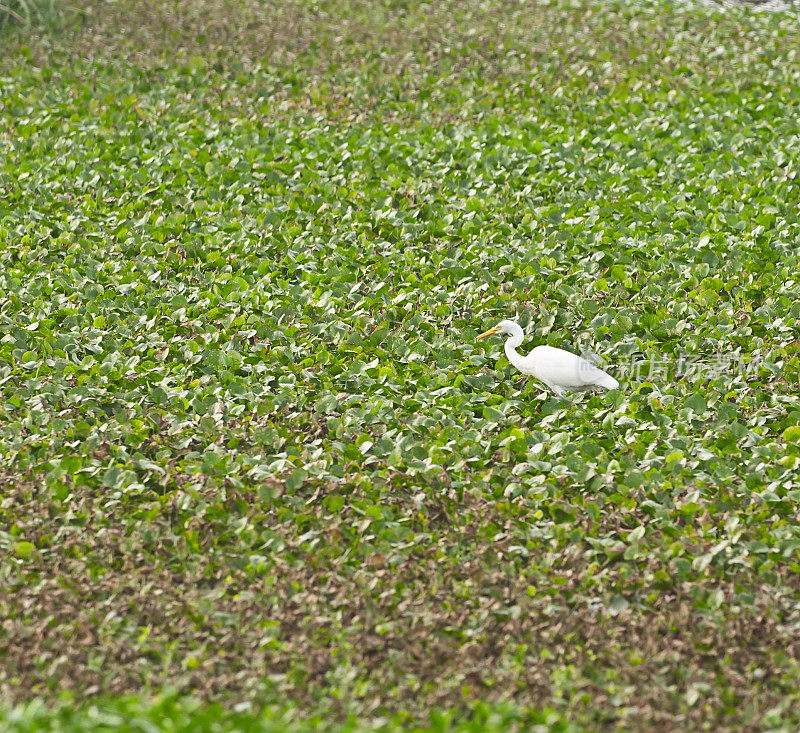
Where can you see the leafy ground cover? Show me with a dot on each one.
(250, 450)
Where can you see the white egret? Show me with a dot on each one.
(558, 369)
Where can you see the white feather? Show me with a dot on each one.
(560, 370)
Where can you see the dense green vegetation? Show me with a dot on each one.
(28, 13)
(251, 454)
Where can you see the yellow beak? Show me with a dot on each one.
(490, 332)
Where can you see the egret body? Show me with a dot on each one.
(560, 370)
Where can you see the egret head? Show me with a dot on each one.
(509, 327)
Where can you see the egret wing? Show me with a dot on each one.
(557, 367)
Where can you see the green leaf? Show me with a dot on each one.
(792, 434)
(24, 550)
(296, 479)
